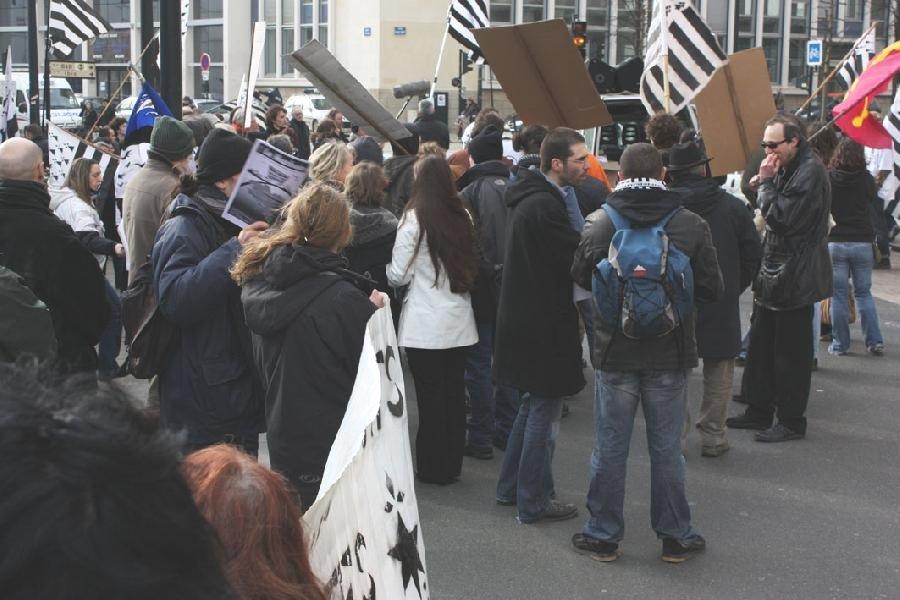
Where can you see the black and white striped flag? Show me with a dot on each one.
(892, 125)
(681, 43)
(73, 22)
(65, 148)
(466, 15)
(863, 51)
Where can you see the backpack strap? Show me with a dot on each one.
(665, 220)
(618, 221)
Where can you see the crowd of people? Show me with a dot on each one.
(496, 272)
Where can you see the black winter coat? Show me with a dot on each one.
(852, 196)
(61, 272)
(796, 266)
(369, 252)
(301, 130)
(308, 321)
(209, 386)
(430, 129)
(399, 172)
(738, 250)
(484, 187)
(537, 347)
(644, 208)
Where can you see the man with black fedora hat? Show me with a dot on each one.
(718, 326)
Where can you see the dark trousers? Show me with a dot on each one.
(779, 365)
(439, 377)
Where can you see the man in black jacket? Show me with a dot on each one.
(302, 130)
(44, 251)
(428, 128)
(537, 350)
(483, 188)
(795, 199)
(718, 323)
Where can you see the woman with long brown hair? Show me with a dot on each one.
(256, 517)
(307, 316)
(435, 254)
(277, 123)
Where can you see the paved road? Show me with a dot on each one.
(813, 519)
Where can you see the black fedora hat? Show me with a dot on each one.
(686, 156)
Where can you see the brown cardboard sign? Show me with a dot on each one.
(733, 109)
(543, 74)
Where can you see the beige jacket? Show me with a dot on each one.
(147, 196)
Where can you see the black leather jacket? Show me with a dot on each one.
(796, 267)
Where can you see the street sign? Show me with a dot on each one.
(204, 75)
(399, 30)
(69, 68)
(204, 61)
(814, 53)
(367, 32)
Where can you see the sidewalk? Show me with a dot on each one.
(886, 284)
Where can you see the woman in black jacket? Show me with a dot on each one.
(850, 245)
(307, 317)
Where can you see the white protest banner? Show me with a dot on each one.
(268, 180)
(364, 530)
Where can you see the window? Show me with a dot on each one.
(114, 11)
(772, 48)
(287, 46)
(597, 42)
(797, 70)
(502, 11)
(532, 10)
(19, 42)
(879, 12)
(114, 46)
(14, 13)
(772, 17)
(270, 57)
(565, 9)
(746, 17)
(800, 17)
(597, 13)
(207, 9)
(625, 42)
(717, 19)
(208, 38)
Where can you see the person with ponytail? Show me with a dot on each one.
(74, 204)
(307, 316)
(435, 254)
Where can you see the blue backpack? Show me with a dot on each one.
(645, 286)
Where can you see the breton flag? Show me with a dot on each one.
(73, 22)
(8, 124)
(185, 11)
(892, 126)
(682, 51)
(863, 52)
(465, 15)
(65, 148)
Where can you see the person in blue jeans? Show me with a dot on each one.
(649, 372)
(850, 246)
(537, 349)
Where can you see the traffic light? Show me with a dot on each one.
(579, 36)
(465, 63)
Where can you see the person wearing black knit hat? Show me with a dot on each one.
(487, 145)
(209, 386)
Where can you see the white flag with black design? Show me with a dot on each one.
(73, 22)
(863, 51)
(8, 125)
(465, 15)
(892, 125)
(681, 52)
(185, 11)
(65, 148)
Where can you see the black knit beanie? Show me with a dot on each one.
(222, 155)
(487, 145)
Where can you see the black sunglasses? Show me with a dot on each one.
(773, 145)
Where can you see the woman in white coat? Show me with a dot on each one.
(435, 254)
(73, 203)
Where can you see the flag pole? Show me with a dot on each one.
(440, 57)
(836, 69)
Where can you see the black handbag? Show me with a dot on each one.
(151, 337)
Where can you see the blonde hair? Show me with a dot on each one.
(432, 149)
(319, 216)
(328, 160)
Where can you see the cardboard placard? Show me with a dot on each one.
(733, 108)
(543, 74)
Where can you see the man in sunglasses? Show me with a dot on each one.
(794, 196)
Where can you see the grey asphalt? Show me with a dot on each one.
(815, 519)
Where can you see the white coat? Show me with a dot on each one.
(77, 213)
(433, 317)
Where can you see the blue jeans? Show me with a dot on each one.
(662, 395)
(853, 259)
(111, 338)
(494, 407)
(527, 475)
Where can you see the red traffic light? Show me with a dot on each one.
(579, 35)
(579, 40)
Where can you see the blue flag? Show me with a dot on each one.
(147, 107)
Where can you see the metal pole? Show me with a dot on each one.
(33, 85)
(170, 55)
(148, 63)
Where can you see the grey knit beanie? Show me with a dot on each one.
(171, 139)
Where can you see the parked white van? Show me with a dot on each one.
(64, 107)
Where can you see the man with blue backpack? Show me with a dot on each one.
(647, 260)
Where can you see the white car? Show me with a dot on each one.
(125, 106)
(315, 108)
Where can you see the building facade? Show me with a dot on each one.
(389, 42)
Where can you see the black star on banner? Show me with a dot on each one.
(406, 552)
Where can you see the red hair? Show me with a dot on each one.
(257, 517)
